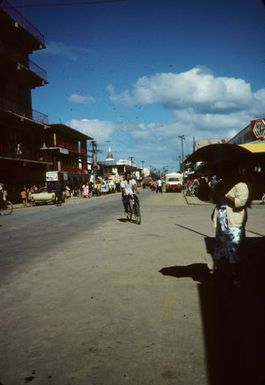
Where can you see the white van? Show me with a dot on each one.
(174, 181)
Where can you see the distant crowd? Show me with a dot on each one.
(85, 190)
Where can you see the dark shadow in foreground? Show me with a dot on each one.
(233, 316)
(197, 271)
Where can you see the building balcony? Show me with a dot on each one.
(17, 109)
(74, 170)
(17, 65)
(58, 150)
(63, 149)
(31, 156)
(38, 70)
(40, 117)
(20, 23)
(33, 79)
(32, 74)
(72, 148)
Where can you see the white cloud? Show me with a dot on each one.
(80, 99)
(58, 48)
(100, 130)
(202, 106)
(196, 88)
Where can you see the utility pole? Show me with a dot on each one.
(194, 144)
(142, 161)
(94, 161)
(131, 158)
(94, 151)
(180, 168)
(182, 138)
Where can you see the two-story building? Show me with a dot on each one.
(67, 150)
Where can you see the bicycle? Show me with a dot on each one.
(134, 214)
(7, 208)
(191, 191)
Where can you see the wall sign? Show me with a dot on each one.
(259, 129)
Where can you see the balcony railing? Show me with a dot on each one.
(73, 147)
(74, 169)
(38, 70)
(16, 15)
(12, 106)
(39, 117)
(29, 64)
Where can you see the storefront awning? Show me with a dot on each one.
(254, 147)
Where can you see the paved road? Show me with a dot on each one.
(83, 300)
(30, 233)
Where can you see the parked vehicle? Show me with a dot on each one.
(173, 182)
(43, 196)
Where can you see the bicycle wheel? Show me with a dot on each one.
(129, 212)
(8, 209)
(137, 213)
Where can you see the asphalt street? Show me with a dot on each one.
(89, 298)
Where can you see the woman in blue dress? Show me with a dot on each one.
(231, 195)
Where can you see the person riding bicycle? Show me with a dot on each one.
(128, 188)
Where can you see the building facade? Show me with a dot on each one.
(205, 142)
(21, 127)
(29, 145)
(252, 137)
(66, 149)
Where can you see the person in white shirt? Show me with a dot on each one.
(3, 196)
(128, 187)
(159, 186)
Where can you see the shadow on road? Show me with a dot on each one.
(197, 271)
(233, 317)
(122, 220)
(126, 220)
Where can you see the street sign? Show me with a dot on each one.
(52, 176)
(55, 176)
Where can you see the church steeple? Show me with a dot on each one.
(109, 155)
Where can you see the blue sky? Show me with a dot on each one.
(136, 74)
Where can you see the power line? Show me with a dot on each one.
(72, 3)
